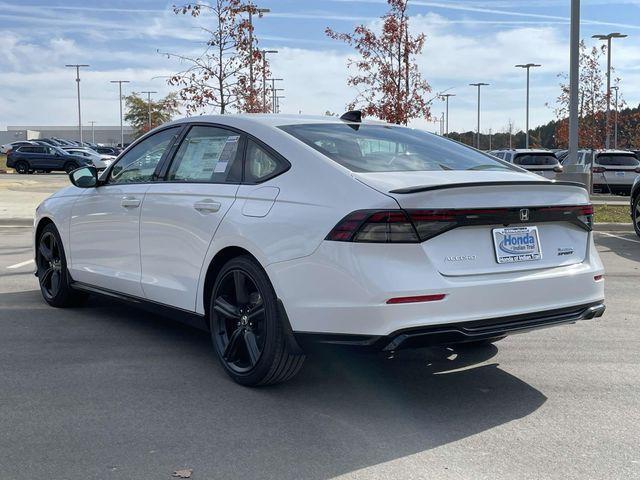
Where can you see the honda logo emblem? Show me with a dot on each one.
(524, 214)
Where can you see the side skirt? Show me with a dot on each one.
(184, 316)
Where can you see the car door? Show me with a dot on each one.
(181, 214)
(105, 221)
(36, 155)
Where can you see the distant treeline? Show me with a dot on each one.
(553, 134)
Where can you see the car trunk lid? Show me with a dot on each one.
(484, 204)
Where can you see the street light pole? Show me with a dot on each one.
(446, 118)
(120, 82)
(93, 132)
(264, 78)
(528, 66)
(608, 38)
(574, 80)
(615, 121)
(273, 92)
(77, 66)
(480, 84)
(278, 97)
(149, 92)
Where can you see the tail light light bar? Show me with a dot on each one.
(598, 170)
(416, 226)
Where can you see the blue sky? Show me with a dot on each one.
(467, 41)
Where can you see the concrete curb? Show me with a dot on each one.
(613, 227)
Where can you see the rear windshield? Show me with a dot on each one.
(620, 160)
(386, 148)
(536, 159)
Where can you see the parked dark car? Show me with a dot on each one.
(29, 158)
(49, 141)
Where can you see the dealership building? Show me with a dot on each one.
(105, 134)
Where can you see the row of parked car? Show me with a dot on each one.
(613, 171)
(57, 154)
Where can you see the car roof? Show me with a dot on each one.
(271, 120)
(526, 150)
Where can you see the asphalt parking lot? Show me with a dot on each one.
(107, 391)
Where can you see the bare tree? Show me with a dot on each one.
(389, 82)
(217, 78)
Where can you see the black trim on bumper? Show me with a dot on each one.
(451, 333)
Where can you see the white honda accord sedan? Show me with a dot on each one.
(276, 231)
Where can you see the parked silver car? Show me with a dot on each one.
(542, 162)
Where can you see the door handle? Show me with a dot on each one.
(207, 206)
(130, 202)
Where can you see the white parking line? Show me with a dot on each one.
(21, 264)
(617, 236)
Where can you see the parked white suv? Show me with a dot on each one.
(614, 171)
(272, 231)
(541, 162)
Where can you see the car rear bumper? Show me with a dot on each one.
(462, 332)
(343, 288)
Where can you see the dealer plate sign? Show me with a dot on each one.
(517, 244)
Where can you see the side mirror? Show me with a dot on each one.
(84, 177)
(558, 169)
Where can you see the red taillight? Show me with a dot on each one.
(597, 278)
(417, 298)
(637, 170)
(371, 226)
(598, 170)
(415, 226)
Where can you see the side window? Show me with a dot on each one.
(25, 149)
(138, 165)
(207, 154)
(39, 150)
(261, 165)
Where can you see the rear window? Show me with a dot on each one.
(386, 148)
(536, 159)
(620, 160)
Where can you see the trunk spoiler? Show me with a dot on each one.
(428, 188)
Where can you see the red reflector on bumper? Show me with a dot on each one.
(597, 278)
(418, 298)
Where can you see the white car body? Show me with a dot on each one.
(514, 156)
(100, 161)
(613, 171)
(9, 146)
(156, 241)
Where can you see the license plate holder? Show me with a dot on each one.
(517, 244)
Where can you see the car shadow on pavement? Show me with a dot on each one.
(111, 391)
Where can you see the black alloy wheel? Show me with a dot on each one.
(52, 272)
(635, 213)
(70, 167)
(22, 167)
(49, 265)
(247, 330)
(242, 327)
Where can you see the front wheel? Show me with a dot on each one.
(53, 276)
(635, 214)
(247, 330)
(22, 167)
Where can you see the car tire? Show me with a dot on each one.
(21, 167)
(635, 214)
(53, 276)
(70, 167)
(248, 332)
